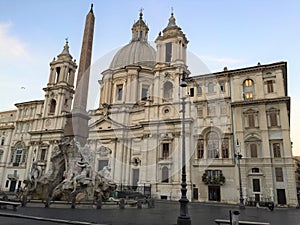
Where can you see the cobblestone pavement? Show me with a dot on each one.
(164, 213)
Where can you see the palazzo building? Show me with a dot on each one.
(137, 128)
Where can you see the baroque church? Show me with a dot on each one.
(137, 130)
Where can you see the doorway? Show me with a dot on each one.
(214, 193)
(12, 186)
(281, 198)
(195, 193)
(135, 178)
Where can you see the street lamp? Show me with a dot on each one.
(238, 155)
(184, 218)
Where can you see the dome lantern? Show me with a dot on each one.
(140, 30)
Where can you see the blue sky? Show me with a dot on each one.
(232, 33)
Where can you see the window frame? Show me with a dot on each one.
(248, 89)
(119, 92)
(279, 174)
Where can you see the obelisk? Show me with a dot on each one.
(77, 120)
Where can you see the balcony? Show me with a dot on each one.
(218, 180)
(12, 177)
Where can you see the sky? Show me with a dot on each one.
(232, 33)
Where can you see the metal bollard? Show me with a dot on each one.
(235, 217)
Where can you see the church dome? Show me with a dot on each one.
(134, 53)
(138, 51)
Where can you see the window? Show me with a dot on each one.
(119, 93)
(200, 149)
(43, 154)
(200, 110)
(165, 175)
(52, 106)
(251, 120)
(57, 74)
(18, 156)
(255, 170)
(273, 116)
(222, 86)
(102, 164)
(145, 92)
(212, 145)
(211, 109)
(191, 92)
(276, 150)
(248, 89)
(26, 112)
(273, 119)
(279, 174)
(256, 185)
(32, 111)
(2, 141)
(253, 150)
(270, 87)
(199, 90)
(141, 35)
(165, 150)
(168, 52)
(168, 90)
(29, 126)
(1, 155)
(225, 149)
(23, 127)
(248, 83)
(223, 109)
(210, 87)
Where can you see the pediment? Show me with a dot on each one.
(105, 124)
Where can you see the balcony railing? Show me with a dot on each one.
(219, 180)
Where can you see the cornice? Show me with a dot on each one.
(260, 101)
(46, 131)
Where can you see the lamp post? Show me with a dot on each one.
(183, 218)
(238, 155)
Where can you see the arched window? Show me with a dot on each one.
(165, 175)
(52, 106)
(210, 87)
(57, 74)
(248, 89)
(168, 52)
(168, 90)
(199, 90)
(119, 92)
(212, 145)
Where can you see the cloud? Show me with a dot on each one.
(11, 48)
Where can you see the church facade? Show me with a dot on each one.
(137, 130)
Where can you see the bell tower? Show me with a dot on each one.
(171, 44)
(60, 88)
